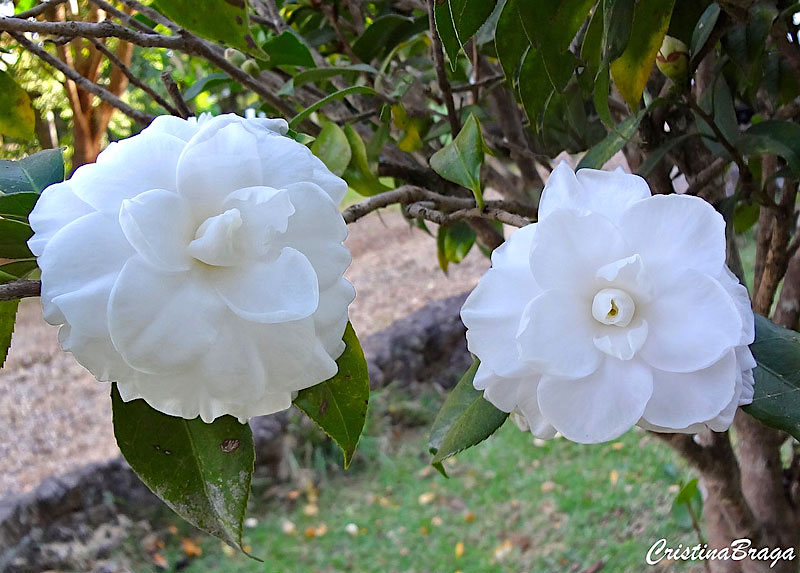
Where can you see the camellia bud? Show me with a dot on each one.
(251, 67)
(234, 56)
(673, 59)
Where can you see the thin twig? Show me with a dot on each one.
(123, 16)
(706, 176)
(38, 9)
(175, 93)
(441, 72)
(20, 289)
(114, 59)
(478, 84)
(101, 92)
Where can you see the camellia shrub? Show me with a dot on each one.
(197, 265)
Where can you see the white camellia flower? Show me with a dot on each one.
(614, 309)
(199, 264)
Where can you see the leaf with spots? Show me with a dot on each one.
(201, 471)
(339, 405)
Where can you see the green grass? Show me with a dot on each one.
(553, 506)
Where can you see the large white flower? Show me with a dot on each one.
(616, 308)
(199, 264)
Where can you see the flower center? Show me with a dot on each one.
(613, 306)
(216, 241)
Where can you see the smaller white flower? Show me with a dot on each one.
(200, 265)
(614, 309)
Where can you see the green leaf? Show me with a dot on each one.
(598, 155)
(602, 86)
(592, 46)
(8, 314)
(223, 21)
(441, 251)
(359, 175)
(654, 157)
(14, 237)
(534, 86)
(705, 25)
(318, 74)
(32, 173)
(745, 215)
(205, 83)
(458, 241)
(466, 419)
(385, 33)
(687, 492)
(16, 112)
(458, 20)
(18, 269)
(298, 119)
(774, 136)
(510, 41)
(631, 70)
(776, 402)
(288, 50)
(17, 205)
(339, 405)
(332, 147)
(617, 24)
(201, 471)
(460, 160)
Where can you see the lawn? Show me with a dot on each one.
(511, 504)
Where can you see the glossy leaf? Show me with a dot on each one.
(205, 83)
(339, 405)
(534, 86)
(319, 74)
(601, 153)
(631, 70)
(705, 25)
(384, 34)
(592, 46)
(617, 24)
(778, 137)
(466, 419)
(359, 175)
(14, 237)
(460, 160)
(458, 20)
(32, 173)
(223, 21)
(298, 119)
(17, 205)
(458, 241)
(333, 148)
(17, 119)
(510, 40)
(201, 471)
(776, 402)
(287, 49)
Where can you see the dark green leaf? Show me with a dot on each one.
(776, 402)
(14, 236)
(617, 23)
(318, 74)
(223, 21)
(510, 40)
(705, 25)
(204, 83)
(8, 314)
(339, 405)
(16, 112)
(631, 70)
(32, 173)
(745, 215)
(466, 419)
(592, 46)
(460, 160)
(288, 50)
(778, 137)
(359, 176)
(202, 471)
(598, 155)
(384, 34)
(18, 269)
(333, 148)
(17, 205)
(602, 86)
(654, 157)
(298, 119)
(441, 251)
(458, 241)
(458, 20)
(534, 86)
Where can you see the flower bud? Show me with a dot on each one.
(234, 56)
(251, 67)
(673, 59)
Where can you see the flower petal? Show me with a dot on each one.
(269, 291)
(528, 406)
(331, 316)
(56, 208)
(675, 232)
(621, 343)
(682, 399)
(693, 322)
(599, 407)
(556, 335)
(162, 323)
(157, 224)
(570, 247)
(629, 275)
(741, 298)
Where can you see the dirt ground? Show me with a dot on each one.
(54, 415)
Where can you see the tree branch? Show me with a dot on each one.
(20, 289)
(174, 93)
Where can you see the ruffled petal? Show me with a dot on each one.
(621, 343)
(331, 316)
(570, 247)
(556, 335)
(693, 322)
(157, 224)
(741, 298)
(675, 232)
(599, 407)
(269, 291)
(56, 208)
(265, 214)
(629, 275)
(183, 129)
(682, 399)
(162, 323)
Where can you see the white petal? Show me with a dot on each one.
(516, 249)
(741, 298)
(570, 247)
(600, 407)
(675, 232)
(126, 168)
(629, 275)
(331, 316)
(621, 343)
(528, 405)
(556, 335)
(79, 267)
(183, 129)
(502, 393)
(57, 207)
(562, 191)
(269, 291)
(693, 322)
(680, 400)
(157, 224)
(160, 322)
